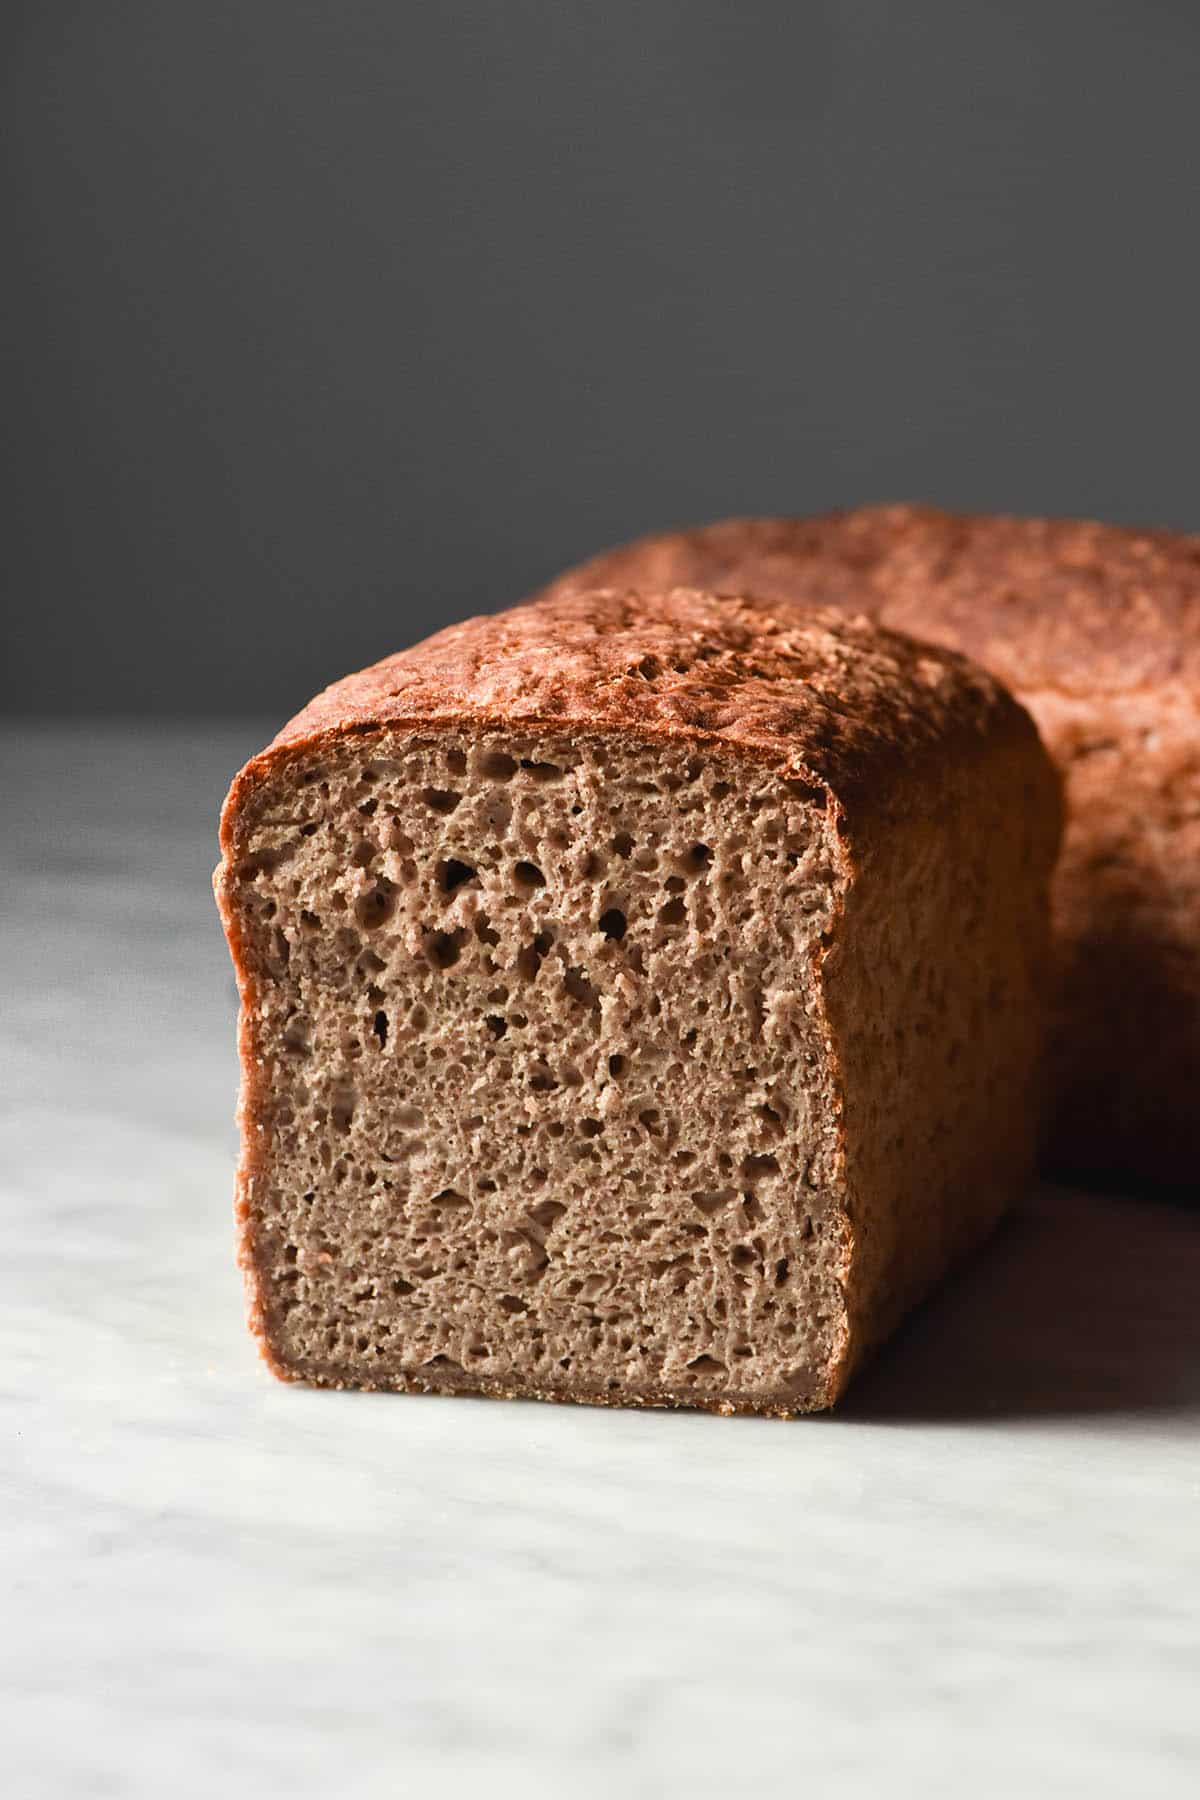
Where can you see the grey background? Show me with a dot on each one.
(326, 323)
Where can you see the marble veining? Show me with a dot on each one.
(983, 1574)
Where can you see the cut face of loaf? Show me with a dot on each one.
(584, 1061)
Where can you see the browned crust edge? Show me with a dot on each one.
(1067, 605)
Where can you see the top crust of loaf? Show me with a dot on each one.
(1045, 603)
(823, 697)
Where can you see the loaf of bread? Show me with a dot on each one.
(640, 1001)
(1097, 630)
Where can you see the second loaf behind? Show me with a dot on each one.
(1097, 629)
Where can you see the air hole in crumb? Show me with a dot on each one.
(698, 859)
(484, 931)
(364, 854)
(623, 844)
(441, 800)
(261, 864)
(529, 875)
(496, 1025)
(613, 924)
(616, 1065)
(341, 1110)
(707, 1365)
(580, 988)
(453, 874)
(541, 771)
(456, 761)
(755, 1167)
(804, 790)
(590, 1127)
(374, 908)
(450, 1200)
(443, 948)
(673, 913)
(442, 1361)
(547, 1213)
(542, 1080)
(380, 1028)
(650, 1119)
(510, 1303)
(529, 961)
(402, 1287)
(497, 766)
(713, 1200)
(781, 1272)
(675, 884)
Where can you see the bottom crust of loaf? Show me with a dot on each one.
(471, 1387)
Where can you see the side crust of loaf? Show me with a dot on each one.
(794, 869)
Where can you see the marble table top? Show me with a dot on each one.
(981, 1576)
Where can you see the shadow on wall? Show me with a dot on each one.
(1080, 1304)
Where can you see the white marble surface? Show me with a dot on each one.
(982, 1577)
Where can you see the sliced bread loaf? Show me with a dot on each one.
(640, 1001)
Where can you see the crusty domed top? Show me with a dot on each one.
(817, 693)
(1057, 603)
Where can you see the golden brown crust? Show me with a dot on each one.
(1064, 603)
(830, 698)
